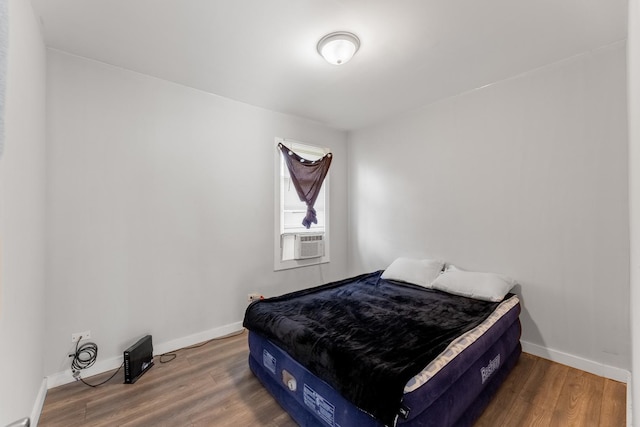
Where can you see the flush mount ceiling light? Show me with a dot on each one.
(339, 47)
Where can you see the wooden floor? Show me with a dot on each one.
(213, 386)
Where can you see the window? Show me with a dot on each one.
(290, 211)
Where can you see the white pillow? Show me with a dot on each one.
(482, 286)
(417, 271)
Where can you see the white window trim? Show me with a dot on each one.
(278, 263)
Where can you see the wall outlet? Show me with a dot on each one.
(254, 297)
(77, 336)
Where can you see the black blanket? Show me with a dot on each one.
(366, 336)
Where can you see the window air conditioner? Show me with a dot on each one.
(308, 246)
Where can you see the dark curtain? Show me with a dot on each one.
(307, 177)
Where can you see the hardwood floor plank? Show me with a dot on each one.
(524, 413)
(283, 420)
(246, 406)
(544, 384)
(213, 386)
(535, 401)
(66, 415)
(166, 408)
(614, 404)
(580, 400)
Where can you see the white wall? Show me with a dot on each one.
(22, 220)
(633, 58)
(161, 207)
(526, 177)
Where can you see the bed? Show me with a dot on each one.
(370, 351)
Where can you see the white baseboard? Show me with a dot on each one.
(586, 365)
(197, 338)
(39, 403)
(65, 377)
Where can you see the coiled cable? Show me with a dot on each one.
(84, 357)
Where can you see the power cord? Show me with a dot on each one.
(84, 357)
(173, 354)
(103, 382)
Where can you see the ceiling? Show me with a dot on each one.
(263, 52)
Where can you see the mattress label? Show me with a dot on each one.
(493, 365)
(319, 405)
(461, 343)
(269, 361)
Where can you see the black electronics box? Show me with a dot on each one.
(138, 359)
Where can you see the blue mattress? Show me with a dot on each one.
(452, 390)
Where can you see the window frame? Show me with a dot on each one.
(278, 263)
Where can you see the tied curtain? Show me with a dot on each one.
(307, 177)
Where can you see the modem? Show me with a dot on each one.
(138, 359)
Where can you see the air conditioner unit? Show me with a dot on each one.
(308, 245)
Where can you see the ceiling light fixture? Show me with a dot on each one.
(339, 47)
